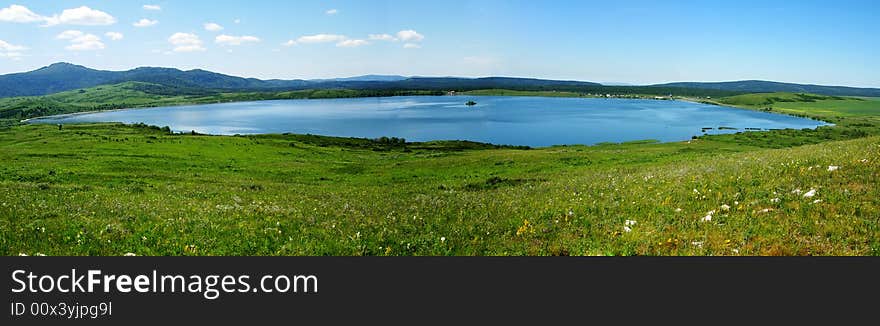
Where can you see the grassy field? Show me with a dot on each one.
(109, 189)
(139, 94)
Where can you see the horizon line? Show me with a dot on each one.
(607, 83)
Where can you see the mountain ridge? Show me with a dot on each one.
(764, 86)
(63, 76)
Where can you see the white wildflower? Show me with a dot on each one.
(629, 223)
(706, 218)
(39, 254)
(697, 243)
(817, 201)
(725, 207)
(775, 200)
(627, 229)
(22, 254)
(797, 191)
(810, 193)
(442, 239)
(832, 168)
(678, 210)
(766, 210)
(864, 160)
(129, 254)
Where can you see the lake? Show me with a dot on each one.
(509, 120)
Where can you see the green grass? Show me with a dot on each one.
(139, 94)
(809, 104)
(109, 189)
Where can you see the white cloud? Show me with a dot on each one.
(80, 41)
(237, 21)
(351, 43)
(382, 37)
(410, 36)
(145, 23)
(152, 7)
(69, 35)
(411, 46)
(321, 38)
(213, 27)
(289, 43)
(186, 42)
(81, 16)
(332, 12)
(19, 14)
(15, 56)
(235, 40)
(115, 36)
(11, 51)
(6, 47)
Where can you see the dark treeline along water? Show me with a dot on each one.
(504, 120)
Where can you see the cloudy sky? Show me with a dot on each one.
(639, 42)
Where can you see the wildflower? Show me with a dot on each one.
(629, 223)
(797, 191)
(627, 229)
(570, 213)
(39, 254)
(864, 160)
(129, 254)
(707, 218)
(817, 201)
(775, 200)
(442, 239)
(832, 168)
(698, 244)
(810, 193)
(525, 228)
(725, 207)
(678, 210)
(22, 254)
(765, 210)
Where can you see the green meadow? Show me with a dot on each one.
(112, 189)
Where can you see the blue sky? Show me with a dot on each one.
(639, 42)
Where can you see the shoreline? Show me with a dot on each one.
(28, 120)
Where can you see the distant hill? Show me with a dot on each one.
(61, 77)
(761, 86)
(385, 78)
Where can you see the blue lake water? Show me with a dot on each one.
(530, 121)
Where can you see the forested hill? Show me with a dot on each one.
(761, 86)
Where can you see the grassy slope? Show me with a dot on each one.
(138, 94)
(109, 189)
